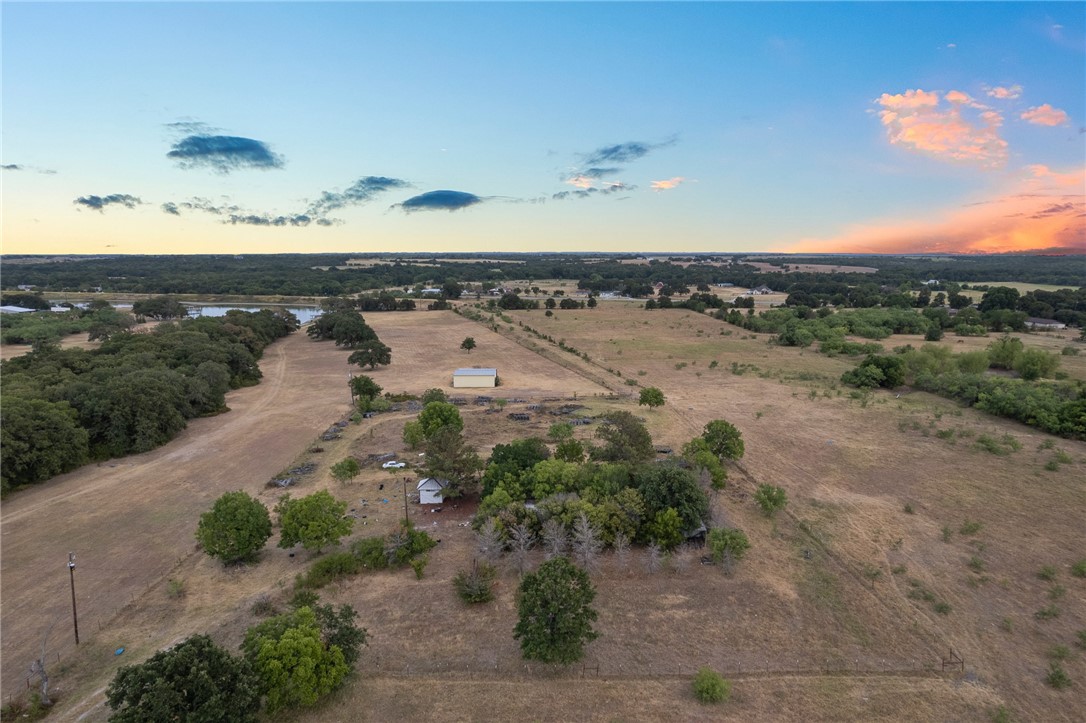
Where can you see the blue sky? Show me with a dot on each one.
(214, 127)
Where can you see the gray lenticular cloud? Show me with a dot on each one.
(439, 201)
(224, 153)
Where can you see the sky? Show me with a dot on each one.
(439, 127)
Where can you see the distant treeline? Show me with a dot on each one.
(64, 407)
(304, 274)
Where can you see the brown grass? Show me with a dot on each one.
(804, 626)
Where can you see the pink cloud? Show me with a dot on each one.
(667, 184)
(963, 131)
(1045, 115)
(1037, 212)
(1005, 92)
(580, 181)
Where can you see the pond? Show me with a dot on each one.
(305, 314)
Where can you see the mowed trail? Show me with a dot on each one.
(130, 520)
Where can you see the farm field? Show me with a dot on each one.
(821, 620)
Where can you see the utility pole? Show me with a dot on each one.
(406, 520)
(71, 576)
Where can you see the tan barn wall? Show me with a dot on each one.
(472, 381)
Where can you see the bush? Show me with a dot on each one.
(711, 687)
(770, 499)
(476, 585)
(1079, 568)
(1057, 677)
(329, 569)
(1047, 573)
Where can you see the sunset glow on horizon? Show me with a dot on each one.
(612, 127)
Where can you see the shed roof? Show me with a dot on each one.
(425, 482)
(476, 372)
(14, 309)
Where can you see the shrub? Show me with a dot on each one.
(711, 687)
(1079, 568)
(175, 588)
(1047, 613)
(970, 527)
(329, 569)
(370, 551)
(1057, 677)
(770, 499)
(1047, 573)
(476, 585)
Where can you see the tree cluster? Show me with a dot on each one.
(132, 394)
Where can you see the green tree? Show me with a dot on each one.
(669, 486)
(667, 529)
(1033, 364)
(364, 387)
(999, 297)
(726, 545)
(346, 470)
(624, 438)
(370, 353)
(436, 415)
(412, 434)
(973, 362)
(570, 450)
(724, 439)
(652, 397)
(195, 681)
(295, 665)
(468, 344)
(314, 521)
(450, 457)
(560, 431)
(697, 453)
(40, 439)
(556, 614)
(770, 499)
(235, 529)
(1003, 352)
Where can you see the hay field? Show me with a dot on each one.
(817, 623)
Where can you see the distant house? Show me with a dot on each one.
(1044, 324)
(431, 491)
(431, 291)
(475, 377)
(931, 282)
(25, 287)
(760, 290)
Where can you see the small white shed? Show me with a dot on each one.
(430, 490)
(475, 377)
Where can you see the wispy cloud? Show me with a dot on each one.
(1045, 115)
(1002, 92)
(962, 130)
(264, 219)
(1042, 209)
(361, 191)
(99, 203)
(200, 204)
(619, 153)
(21, 167)
(439, 201)
(668, 184)
(223, 153)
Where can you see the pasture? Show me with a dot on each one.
(903, 538)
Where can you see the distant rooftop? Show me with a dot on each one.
(475, 372)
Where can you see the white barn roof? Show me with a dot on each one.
(430, 483)
(14, 310)
(476, 372)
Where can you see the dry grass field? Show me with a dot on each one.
(890, 502)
